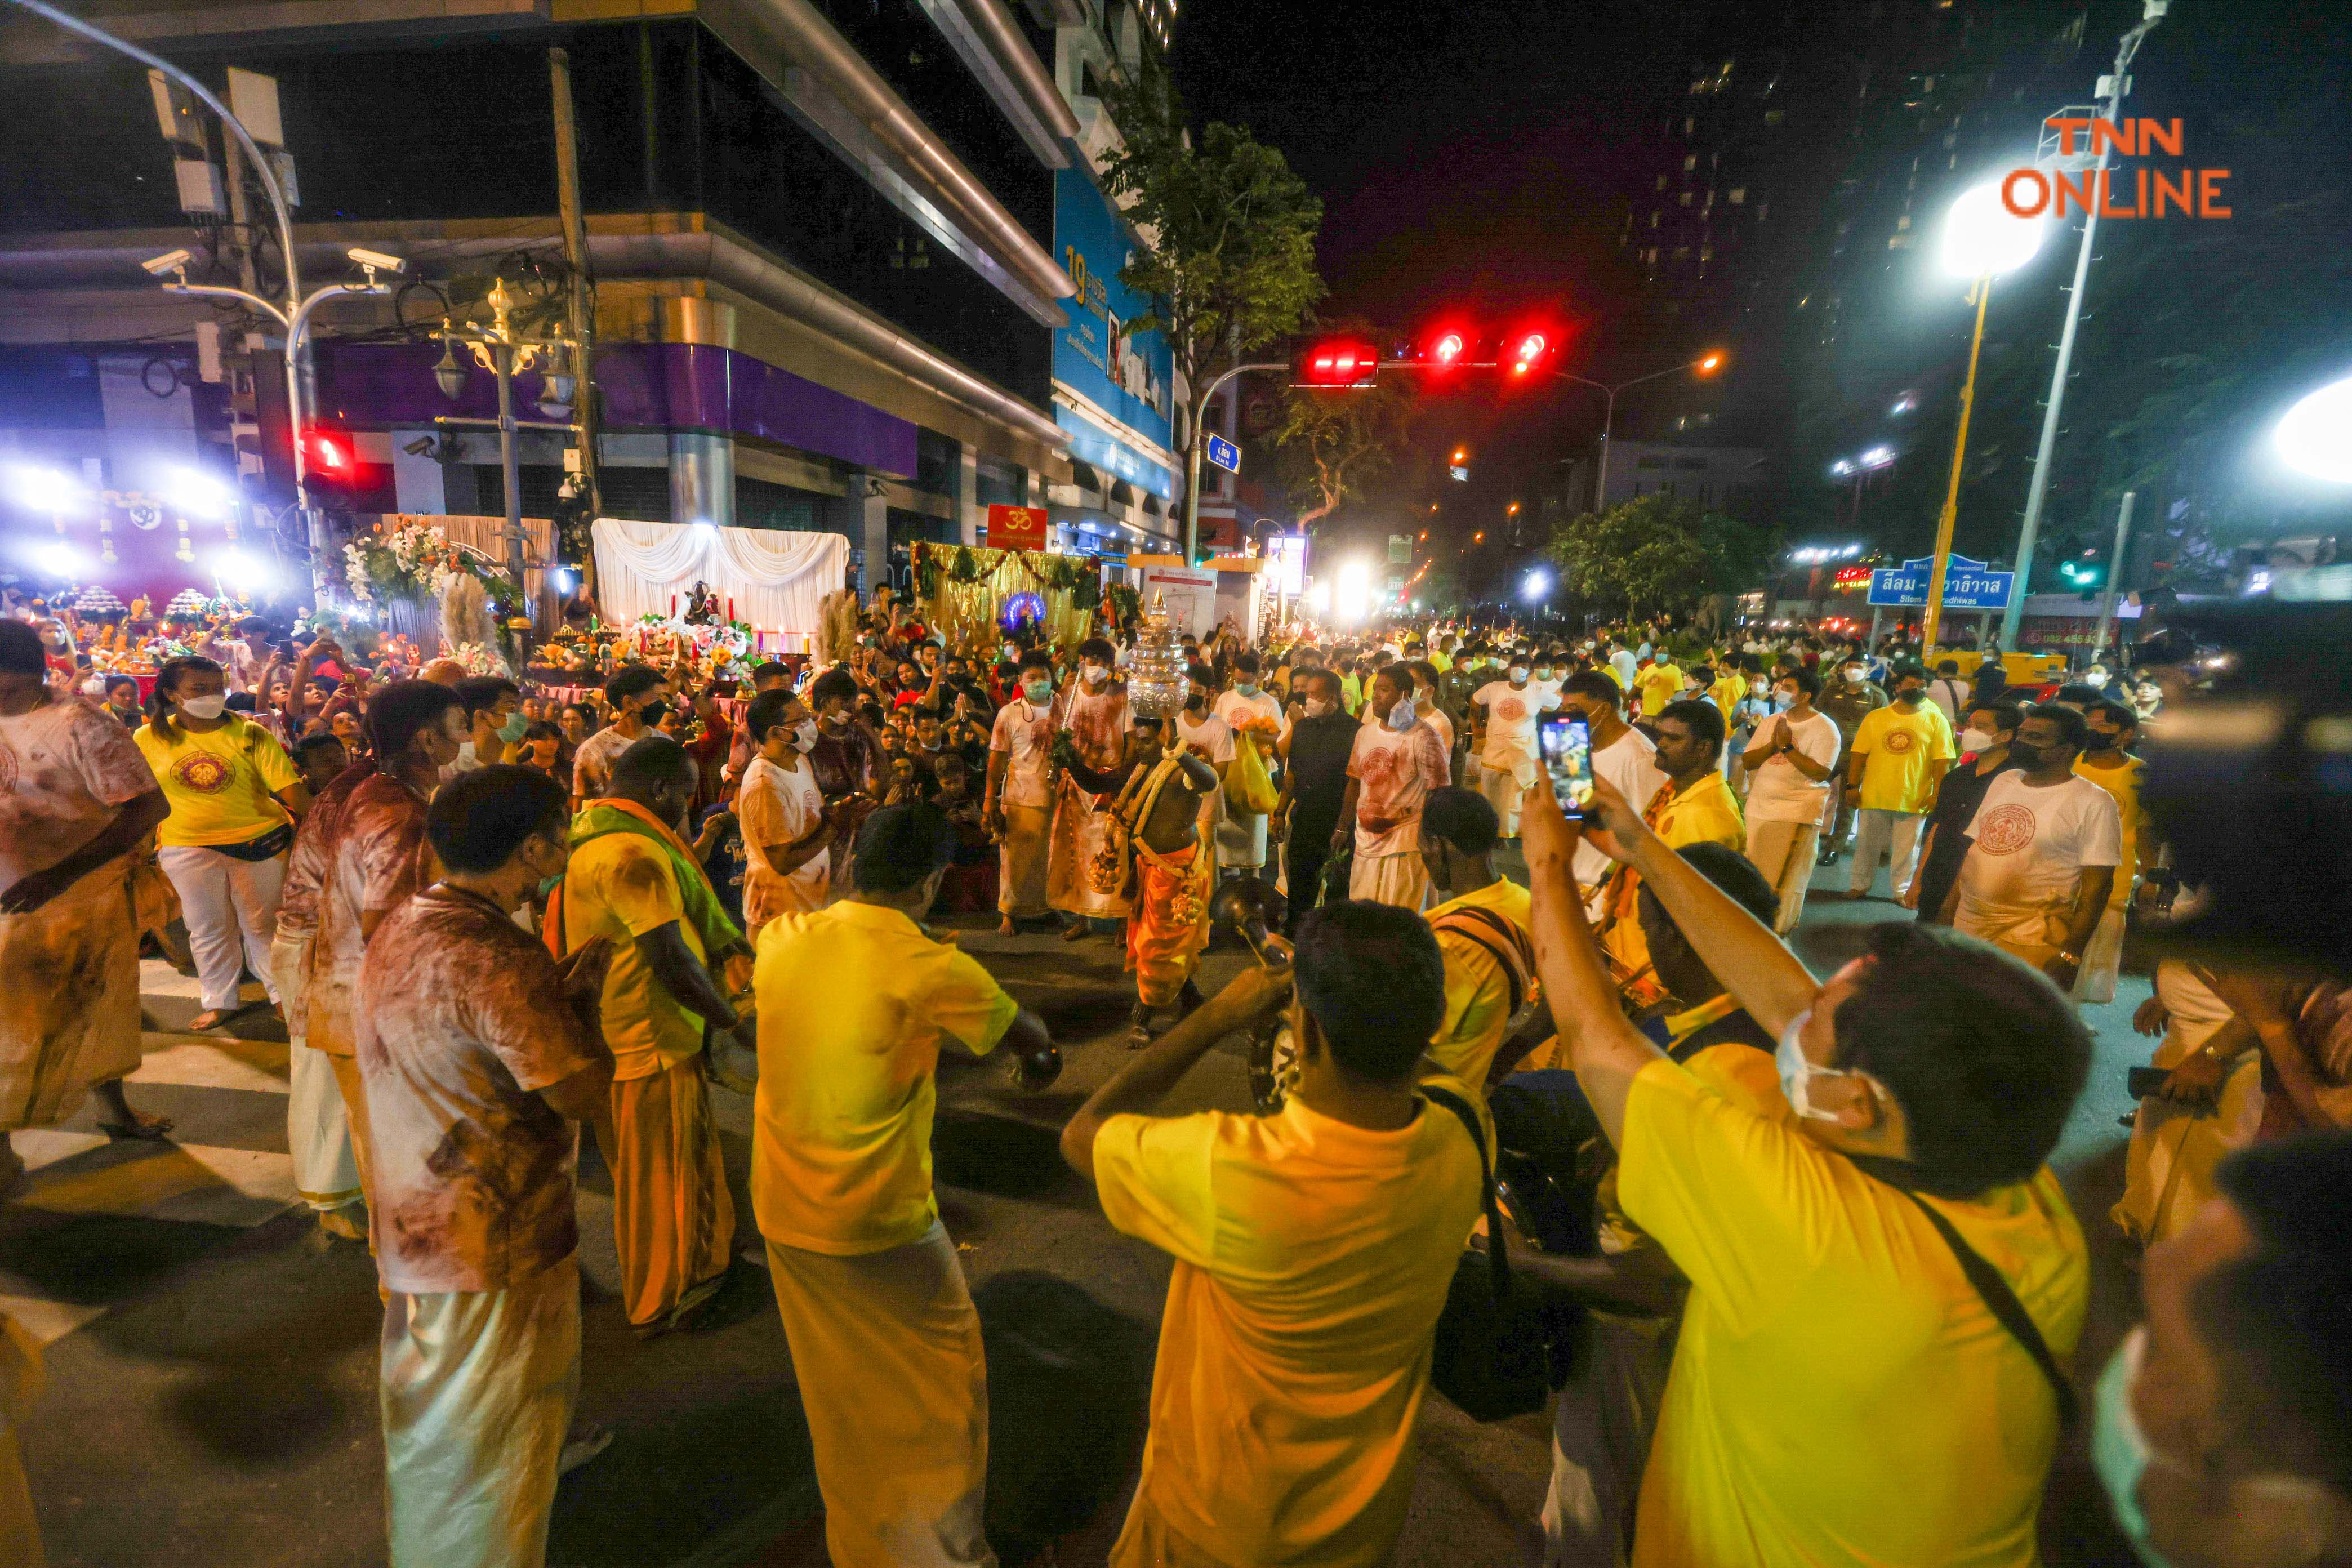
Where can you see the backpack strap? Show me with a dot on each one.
(2001, 1300)
(1502, 941)
(1498, 1255)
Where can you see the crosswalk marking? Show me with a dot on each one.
(49, 1322)
(206, 1061)
(87, 1173)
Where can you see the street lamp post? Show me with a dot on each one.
(1703, 363)
(1981, 240)
(505, 353)
(1193, 466)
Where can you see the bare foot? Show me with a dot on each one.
(1074, 932)
(348, 1222)
(1006, 927)
(128, 1122)
(212, 1018)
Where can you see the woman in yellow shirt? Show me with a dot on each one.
(233, 794)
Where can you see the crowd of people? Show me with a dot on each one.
(1802, 1248)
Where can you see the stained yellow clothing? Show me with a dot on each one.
(619, 887)
(1658, 685)
(1706, 813)
(222, 785)
(2123, 782)
(1833, 1355)
(1477, 991)
(1895, 748)
(854, 1000)
(1312, 1260)
(1741, 1074)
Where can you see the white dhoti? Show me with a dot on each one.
(1601, 1439)
(1082, 825)
(1399, 880)
(2103, 958)
(1503, 776)
(1240, 837)
(69, 977)
(886, 1349)
(318, 1129)
(478, 1389)
(1021, 879)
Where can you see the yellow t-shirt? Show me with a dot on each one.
(1477, 992)
(1706, 813)
(1727, 691)
(854, 1000)
(222, 785)
(620, 886)
(2124, 784)
(1312, 1260)
(1833, 1356)
(1743, 1075)
(1659, 685)
(1897, 748)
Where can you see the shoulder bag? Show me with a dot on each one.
(1491, 1351)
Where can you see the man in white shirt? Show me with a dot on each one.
(1949, 692)
(779, 811)
(1621, 754)
(1395, 763)
(1200, 731)
(1790, 762)
(2043, 851)
(1507, 763)
(1241, 835)
(1625, 663)
(1019, 807)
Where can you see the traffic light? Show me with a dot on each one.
(2084, 572)
(1526, 351)
(327, 456)
(340, 478)
(1336, 362)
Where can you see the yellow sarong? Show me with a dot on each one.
(673, 1217)
(1170, 923)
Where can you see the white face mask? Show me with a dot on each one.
(204, 707)
(805, 734)
(1518, 675)
(1760, 686)
(1093, 674)
(1856, 673)
(2096, 678)
(1976, 740)
(1402, 717)
(1318, 708)
(1798, 1071)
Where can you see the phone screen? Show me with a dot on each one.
(1565, 742)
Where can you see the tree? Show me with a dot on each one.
(1657, 553)
(1330, 445)
(1227, 231)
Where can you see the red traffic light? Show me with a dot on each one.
(327, 452)
(1526, 351)
(1337, 362)
(1448, 349)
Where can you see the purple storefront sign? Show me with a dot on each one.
(645, 386)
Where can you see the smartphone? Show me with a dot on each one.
(1565, 743)
(2145, 1083)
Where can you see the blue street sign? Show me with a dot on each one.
(1967, 584)
(1224, 454)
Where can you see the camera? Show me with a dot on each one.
(376, 259)
(170, 261)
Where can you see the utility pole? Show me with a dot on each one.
(2114, 570)
(580, 315)
(1192, 463)
(2111, 101)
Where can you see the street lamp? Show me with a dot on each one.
(1705, 365)
(1981, 240)
(1192, 464)
(2314, 437)
(505, 353)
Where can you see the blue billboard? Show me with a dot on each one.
(1128, 375)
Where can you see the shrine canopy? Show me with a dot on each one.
(776, 580)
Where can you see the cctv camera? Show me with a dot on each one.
(170, 261)
(376, 258)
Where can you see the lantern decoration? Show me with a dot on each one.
(1156, 679)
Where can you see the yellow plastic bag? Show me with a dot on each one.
(1249, 788)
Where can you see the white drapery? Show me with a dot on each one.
(777, 579)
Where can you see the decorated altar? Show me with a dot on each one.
(972, 596)
(770, 581)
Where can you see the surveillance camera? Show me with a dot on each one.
(170, 261)
(420, 447)
(376, 258)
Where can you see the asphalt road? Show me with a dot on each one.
(211, 1365)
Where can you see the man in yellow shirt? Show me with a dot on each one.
(1658, 683)
(1694, 806)
(1313, 1249)
(635, 882)
(1482, 931)
(1899, 755)
(855, 1000)
(2107, 761)
(1825, 1296)
(1726, 683)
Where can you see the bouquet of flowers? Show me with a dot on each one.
(411, 562)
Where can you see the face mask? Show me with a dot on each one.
(1788, 696)
(1195, 700)
(1797, 1070)
(2030, 758)
(1037, 692)
(1318, 708)
(204, 707)
(1518, 675)
(653, 713)
(1856, 674)
(1974, 740)
(2119, 1450)
(1245, 688)
(1760, 686)
(2096, 678)
(512, 731)
(1543, 672)
(1910, 694)
(805, 734)
(1093, 674)
(1402, 717)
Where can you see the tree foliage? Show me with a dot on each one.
(1227, 229)
(1331, 446)
(1656, 553)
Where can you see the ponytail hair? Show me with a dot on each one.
(167, 679)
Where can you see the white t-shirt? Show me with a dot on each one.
(782, 806)
(1777, 792)
(1549, 700)
(2026, 845)
(1393, 772)
(1630, 764)
(1436, 720)
(1626, 665)
(1236, 710)
(1511, 715)
(1212, 734)
(591, 764)
(1024, 734)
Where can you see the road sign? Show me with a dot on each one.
(1399, 549)
(1224, 454)
(1016, 528)
(1968, 585)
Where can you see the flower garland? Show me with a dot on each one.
(414, 560)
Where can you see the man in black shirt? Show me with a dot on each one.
(1313, 782)
(1984, 752)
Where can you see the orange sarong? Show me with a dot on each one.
(673, 1217)
(1169, 925)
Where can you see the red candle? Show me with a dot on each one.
(730, 606)
(672, 604)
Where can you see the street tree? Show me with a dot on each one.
(1330, 445)
(1227, 231)
(1657, 553)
